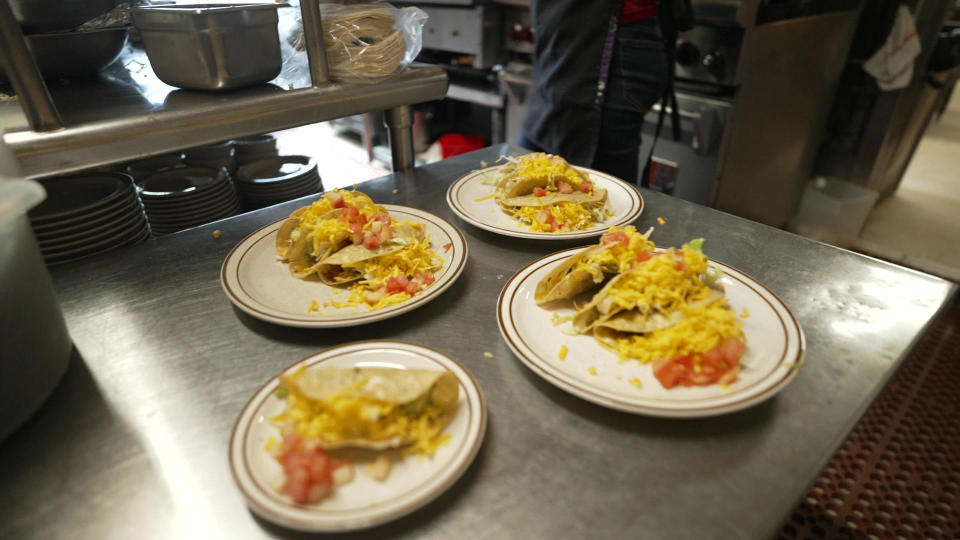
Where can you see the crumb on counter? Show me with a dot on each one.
(744, 314)
(216, 233)
(636, 382)
(592, 370)
(483, 164)
(499, 276)
(563, 352)
(488, 354)
(661, 221)
(395, 191)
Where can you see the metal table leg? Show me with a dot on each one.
(399, 122)
(22, 71)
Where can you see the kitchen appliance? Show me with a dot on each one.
(755, 80)
(211, 47)
(36, 345)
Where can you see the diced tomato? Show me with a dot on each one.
(720, 364)
(425, 277)
(336, 199)
(539, 191)
(386, 233)
(371, 242)
(667, 373)
(680, 266)
(732, 350)
(564, 187)
(543, 216)
(412, 288)
(447, 246)
(643, 256)
(714, 357)
(308, 472)
(615, 238)
(586, 186)
(382, 218)
(349, 213)
(397, 284)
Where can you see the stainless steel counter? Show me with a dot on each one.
(134, 441)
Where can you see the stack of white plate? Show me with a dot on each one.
(87, 214)
(186, 197)
(274, 180)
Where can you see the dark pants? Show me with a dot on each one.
(638, 75)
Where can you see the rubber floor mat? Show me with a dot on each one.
(898, 473)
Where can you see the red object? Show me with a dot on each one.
(721, 364)
(635, 10)
(454, 144)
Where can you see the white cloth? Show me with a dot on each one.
(892, 65)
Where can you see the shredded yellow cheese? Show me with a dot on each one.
(340, 418)
(562, 355)
(671, 281)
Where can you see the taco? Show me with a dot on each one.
(372, 408)
(619, 249)
(346, 264)
(545, 192)
(313, 233)
(671, 310)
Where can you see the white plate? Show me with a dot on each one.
(364, 502)
(470, 199)
(775, 349)
(259, 284)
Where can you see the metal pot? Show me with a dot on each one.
(51, 15)
(36, 345)
(69, 54)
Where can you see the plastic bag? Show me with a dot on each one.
(369, 41)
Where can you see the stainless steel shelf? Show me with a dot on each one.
(126, 113)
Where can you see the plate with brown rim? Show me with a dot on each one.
(261, 285)
(775, 349)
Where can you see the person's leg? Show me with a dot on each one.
(638, 74)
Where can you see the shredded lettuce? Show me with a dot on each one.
(696, 244)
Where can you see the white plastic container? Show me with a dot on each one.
(833, 211)
(34, 343)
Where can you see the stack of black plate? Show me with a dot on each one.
(213, 156)
(274, 180)
(87, 214)
(185, 197)
(255, 148)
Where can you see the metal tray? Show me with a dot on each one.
(211, 46)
